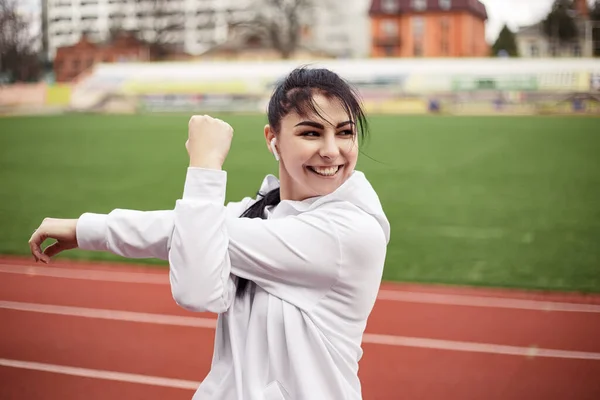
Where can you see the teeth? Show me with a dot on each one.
(326, 171)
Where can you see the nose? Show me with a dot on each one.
(329, 148)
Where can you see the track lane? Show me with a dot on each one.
(547, 329)
(148, 349)
(407, 373)
(126, 296)
(387, 372)
(19, 384)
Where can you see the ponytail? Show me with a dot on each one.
(257, 210)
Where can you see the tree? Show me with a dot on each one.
(280, 21)
(595, 18)
(159, 26)
(44, 33)
(595, 11)
(559, 25)
(506, 42)
(19, 60)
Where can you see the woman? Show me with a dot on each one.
(293, 274)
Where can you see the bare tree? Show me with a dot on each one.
(280, 21)
(19, 60)
(159, 27)
(44, 33)
(116, 22)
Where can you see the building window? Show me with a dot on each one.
(418, 49)
(534, 50)
(389, 6)
(576, 50)
(117, 15)
(445, 4)
(445, 26)
(445, 47)
(389, 28)
(418, 26)
(419, 5)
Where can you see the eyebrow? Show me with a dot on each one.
(320, 126)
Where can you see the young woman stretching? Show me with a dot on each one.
(293, 273)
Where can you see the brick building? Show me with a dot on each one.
(428, 28)
(71, 61)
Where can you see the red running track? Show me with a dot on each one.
(73, 330)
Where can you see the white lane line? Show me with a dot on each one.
(388, 295)
(490, 302)
(100, 374)
(477, 347)
(87, 274)
(387, 340)
(129, 316)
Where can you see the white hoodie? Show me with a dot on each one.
(316, 266)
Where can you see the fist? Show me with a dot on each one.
(209, 140)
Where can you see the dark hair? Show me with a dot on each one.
(296, 93)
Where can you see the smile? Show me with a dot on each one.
(326, 171)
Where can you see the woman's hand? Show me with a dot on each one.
(63, 230)
(209, 140)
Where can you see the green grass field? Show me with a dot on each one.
(503, 201)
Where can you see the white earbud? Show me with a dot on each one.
(273, 149)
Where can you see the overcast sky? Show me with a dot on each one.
(515, 13)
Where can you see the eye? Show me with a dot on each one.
(310, 134)
(347, 132)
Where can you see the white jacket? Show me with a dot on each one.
(316, 266)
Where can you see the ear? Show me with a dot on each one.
(269, 135)
(271, 140)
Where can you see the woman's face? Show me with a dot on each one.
(317, 154)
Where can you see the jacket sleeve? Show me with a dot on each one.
(133, 233)
(296, 258)
(128, 233)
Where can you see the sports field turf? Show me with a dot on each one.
(500, 201)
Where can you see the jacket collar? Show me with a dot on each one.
(356, 190)
(351, 190)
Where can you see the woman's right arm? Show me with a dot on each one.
(128, 233)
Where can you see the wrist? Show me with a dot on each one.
(206, 164)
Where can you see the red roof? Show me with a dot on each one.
(405, 6)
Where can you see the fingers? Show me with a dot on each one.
(35, 243)
(53, 249)
(64, 231)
